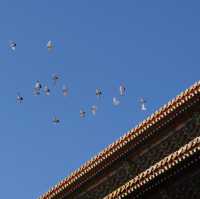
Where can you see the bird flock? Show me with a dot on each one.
(38, 88)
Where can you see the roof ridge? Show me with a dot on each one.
(162, 112)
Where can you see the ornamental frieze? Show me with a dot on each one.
(135, 164)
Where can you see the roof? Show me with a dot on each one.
(181, 100)
(156, 170)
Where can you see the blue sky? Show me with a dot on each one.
(151, 46)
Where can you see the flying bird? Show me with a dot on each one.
(143, 104)
(55, 120)
(98, 92)
(19, 98)
(116, 101)
(122, 90)
(65, 90)
(38, 85)
(82, 113)
(94, 109)
(50, 45)
(12, 45)
(37, 88)
(55, 78)
(46, 90)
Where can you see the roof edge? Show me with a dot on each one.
(157, 169)
(157, 116)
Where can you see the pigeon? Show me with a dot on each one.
(49, 45)
(12, 45)
(37, 88)
(94, 109)
(65, 90)
(98, 93)
(46, 90)
(142, 104)
(55, 120)
(19, 98)
(122, 90)
(116, 102)
(82, 113)
(38, 85)
(55, 78)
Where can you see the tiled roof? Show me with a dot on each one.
(157, 169)
(156, 117)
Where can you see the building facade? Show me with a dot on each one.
(159, 158)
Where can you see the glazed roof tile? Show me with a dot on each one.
(157, 169)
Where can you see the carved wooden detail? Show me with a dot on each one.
(172, 143)
(184, 186)
(130, 168)
(120, 176)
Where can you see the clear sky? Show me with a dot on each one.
(150, 46)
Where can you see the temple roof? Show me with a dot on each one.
(157, 169)
(114, 150)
